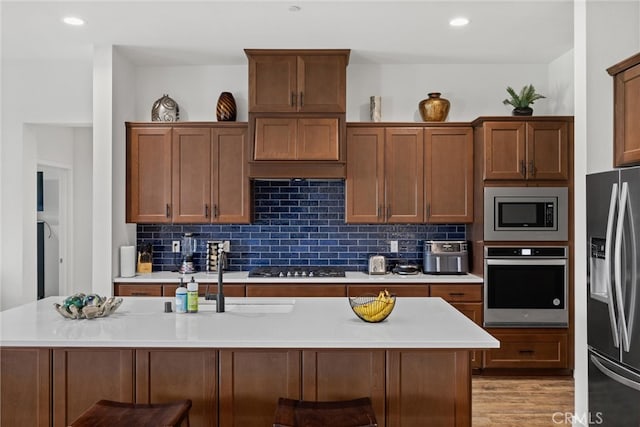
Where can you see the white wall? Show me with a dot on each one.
(124, 102)
(195, 88)
(560, 95)
(32, 92)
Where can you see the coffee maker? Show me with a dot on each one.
(189, 245)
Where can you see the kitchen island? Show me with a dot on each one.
(234, 365)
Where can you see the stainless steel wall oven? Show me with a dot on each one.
(526, 286)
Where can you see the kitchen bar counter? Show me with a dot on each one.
(247, 323)
(415, 365)
(350, 277)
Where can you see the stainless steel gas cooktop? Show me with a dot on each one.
(297, 271)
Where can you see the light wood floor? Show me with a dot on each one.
(521, 401)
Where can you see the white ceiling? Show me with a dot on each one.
(215, 32)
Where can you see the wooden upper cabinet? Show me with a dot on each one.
(230, 185)
(191, 175)
(626, 113)
(297, 81)
(526, 150)
(404, 182)
(290, 138)
(384, 175)
(365, 175)
(448, 173)
(187, 174)
(149, 175)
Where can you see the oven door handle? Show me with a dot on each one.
(546, 261)
(624, 200)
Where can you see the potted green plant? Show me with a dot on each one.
(521, 101)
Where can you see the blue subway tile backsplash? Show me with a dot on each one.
(297, 223)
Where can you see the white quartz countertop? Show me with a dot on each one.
(350, 277)
(247, 323)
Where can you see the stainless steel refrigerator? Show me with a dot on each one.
(613, 305)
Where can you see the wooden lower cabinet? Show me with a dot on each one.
(526, 348)
(428, 388)
(467, 299)
(82, 376)
(230, 290)
(398, 290)
(345, 374)
(165, 375)
(293, 290)
(251, 381)
(25, 387)
(137, 290)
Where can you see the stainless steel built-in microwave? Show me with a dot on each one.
(525, 213)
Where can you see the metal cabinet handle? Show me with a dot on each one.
(206, 210)
(379, 211)
(388, 212)
(139, 294)
(532, 169)
(215, 211)
(293, 99)
(526, 351)
(428, 210)
(456, 294)
(523, 168)
(168, 213)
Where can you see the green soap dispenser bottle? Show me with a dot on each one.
(192, 296)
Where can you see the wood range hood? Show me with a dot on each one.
(297, 170)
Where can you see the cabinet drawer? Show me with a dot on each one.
(311, 290)
(520, 350)
(129, 290)
(454, 292)
(229, 290)
(398, 290)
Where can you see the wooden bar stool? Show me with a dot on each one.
(342, 413)
(107, 413)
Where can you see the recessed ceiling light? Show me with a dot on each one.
(73, 20)
(459, 22)
(294, 8)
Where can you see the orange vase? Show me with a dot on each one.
(434, 108)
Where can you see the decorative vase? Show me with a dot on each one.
(226, 108)
(434, 108)
(165, 109)
(522, 111)
(375, 108)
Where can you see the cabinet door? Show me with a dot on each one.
(83, 376)
(137, 290)
(149, 175)
(473, 310)
(504, 150)
(275, 139)
(191, 175)
(230, 177)
(251, 381)
(626, 114)
(317, 139)
(428, 385)
(166, 375)
(449, 175)
(25, 389)
(272, 83)
(547, 150)
(322, 82)
(343, 375)
(404, 178)
(365, 175)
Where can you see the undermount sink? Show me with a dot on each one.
(251, 307)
